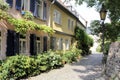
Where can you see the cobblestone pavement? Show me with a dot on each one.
(87, 68)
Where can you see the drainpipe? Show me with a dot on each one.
(49, 20)
(14, 3)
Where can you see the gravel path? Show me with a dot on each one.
(87, 68)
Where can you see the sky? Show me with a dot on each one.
(89, 14)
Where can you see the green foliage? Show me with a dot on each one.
(3, 15)
(28, 15)
(23, 25)
(3, 5)
(95, 27)
(98, 49)
(71, 56)
(15, 67)
(20, 66)
(84, 41)
(111, 30)
(106, 47)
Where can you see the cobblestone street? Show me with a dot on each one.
(88, 68)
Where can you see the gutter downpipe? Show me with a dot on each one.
(49, 20)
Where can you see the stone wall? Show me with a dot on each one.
(112, 70)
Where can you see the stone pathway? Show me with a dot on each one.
(87, 68)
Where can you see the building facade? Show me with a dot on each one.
(46, 12)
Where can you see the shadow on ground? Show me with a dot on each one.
(91, 67)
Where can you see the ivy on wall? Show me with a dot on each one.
(24, 25)
(3, 5)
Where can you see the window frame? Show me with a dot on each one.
(38, 41)
(25, 4)
(53, 43)
(70, 24)
(67, 44)
(22, 49)
(0, 43)
(60, 46)
(57, 17)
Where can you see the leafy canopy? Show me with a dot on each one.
(111, 30)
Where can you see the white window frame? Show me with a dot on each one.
(38, 42)
(53, 43)
(40, 7)
(70, 24)
(67, 44)
(44, 14)
(57, 17)
(25, 4)
(60, 46)
(0, 43)
(22, 49)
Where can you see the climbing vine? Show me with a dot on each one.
(3, 5)
(23, 25)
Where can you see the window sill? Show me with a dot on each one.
(58, 24)
(38, 18)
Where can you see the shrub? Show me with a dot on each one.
(3, 5)
(98, 49)
(15, 67)
(106, 47)
(55, 61)
(20, 66)
(28, 15)
(84, 41)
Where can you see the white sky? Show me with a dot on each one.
(88, 14)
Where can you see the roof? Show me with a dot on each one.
(60, 5)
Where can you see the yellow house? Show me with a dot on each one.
(46, 12)
(63, 21)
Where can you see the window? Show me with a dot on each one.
(60, 46)
(10, 2)
(22, 5)
(18, 4)
(67, 44)
(53, 43)
(40, 9)
(70, 24)
(44, 10)
(0, 43)
(22, 45)
(57, 17)
(38, 45)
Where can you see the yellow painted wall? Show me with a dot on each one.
(80, 25)
(64, 38)
(63, 27)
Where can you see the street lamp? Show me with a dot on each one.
(103, 13)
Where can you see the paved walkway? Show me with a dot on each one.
(86, 69)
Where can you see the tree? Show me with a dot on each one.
(84, 41)
(111, 30)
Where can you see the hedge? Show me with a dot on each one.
(21, 66)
